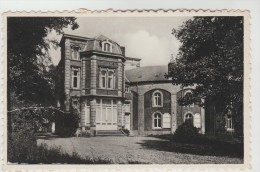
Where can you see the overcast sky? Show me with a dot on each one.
(149, 39)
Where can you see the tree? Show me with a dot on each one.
(29, 77)
(211, 59)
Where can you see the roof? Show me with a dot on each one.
(95, 43)
(147, 73)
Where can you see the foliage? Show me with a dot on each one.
(21, 144)
(69, 122)
(211, 59)
(186, 133)
(28, 57)
(84, 134)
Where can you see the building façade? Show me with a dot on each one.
(112, 91)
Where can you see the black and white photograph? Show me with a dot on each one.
(127, 89)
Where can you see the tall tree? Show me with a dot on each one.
(211, 58)
(28, 57)
(29, 78)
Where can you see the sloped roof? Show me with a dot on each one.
(147, 73)
(96, 44)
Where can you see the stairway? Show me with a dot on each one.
(109, 133)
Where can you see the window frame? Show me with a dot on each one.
(229, 121)
(73, 69)
(75, 51)
(107, 46)
(107, 77)
(157, 120)
(154, 100)
(192, 117)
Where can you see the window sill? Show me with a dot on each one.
(157, 128)
(75, 89)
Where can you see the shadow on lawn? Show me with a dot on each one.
(208, 149)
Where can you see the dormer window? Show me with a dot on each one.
(106, 46)
(75, 53)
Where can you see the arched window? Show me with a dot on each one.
(107, 78)
(107, 46)
(189, 94)
(229, 122)
(157, 120)
(189, 118)
(157, 99)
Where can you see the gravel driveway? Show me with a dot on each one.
(130, 150)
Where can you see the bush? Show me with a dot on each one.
(68, 123)
(84, 134)
(186, 133)
(21, 145)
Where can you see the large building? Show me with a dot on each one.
(112, 91)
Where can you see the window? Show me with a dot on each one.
(189, 118)
(157, 120)
(110, 79)
(103, 79)
(107, 78)
(189, 94)
(75, 53)
(75, 77)
(157, 99)
(229, 122)
(107, 46)
(127, 89)
(166, 120)
(197, 120)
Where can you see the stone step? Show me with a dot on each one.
(109, 133)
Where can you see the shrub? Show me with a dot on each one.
(186, 133)
(68, 123)
(21, 146)
(84, 134)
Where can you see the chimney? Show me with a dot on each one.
(123, 50)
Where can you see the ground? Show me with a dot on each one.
(132, 150)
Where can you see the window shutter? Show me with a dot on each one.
(197, 121)
(166, 120)
(87, 114)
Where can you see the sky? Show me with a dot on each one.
(149, 38)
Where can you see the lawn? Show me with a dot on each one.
(146, 150)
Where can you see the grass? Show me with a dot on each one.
(43, 155)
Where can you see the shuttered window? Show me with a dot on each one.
(166, 120)
(87, 114)
(197, 121)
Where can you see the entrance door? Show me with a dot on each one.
(106, 116)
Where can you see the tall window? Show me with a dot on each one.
(189, 118)
(107, 78)
(110, 79)
(75, 77)
(229, 123)
(103, 78)
(157, 120)
(75, 53)
(107, 46)
(157, 99)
